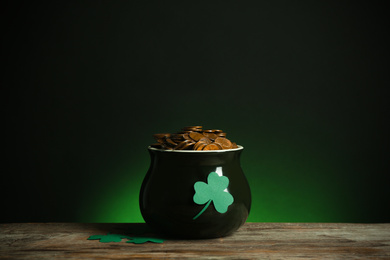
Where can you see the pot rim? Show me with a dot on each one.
(240, 147)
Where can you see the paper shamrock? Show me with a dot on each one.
(108, 238)
(118, 238)
(141, 240)
(214, 191)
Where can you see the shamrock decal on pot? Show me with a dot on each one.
(215, 190)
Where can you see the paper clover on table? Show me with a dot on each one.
(108, 238)
(118, 238)
(215, 190)
(141, 240)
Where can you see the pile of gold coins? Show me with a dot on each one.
(194, 138)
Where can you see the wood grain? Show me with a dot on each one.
(252, 241)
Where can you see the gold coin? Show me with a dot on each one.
(192, 128)
(178, 136)
(187, 136)
(195, 136)
(183, 145)
(213, 146)
(215, 131)
(221, 134)
(199, 143)
(225, 143)
(161, 141)
(167, 147)
(161, 136)
(200, 146)
(205, 140)
(170, 142)
(210, 135)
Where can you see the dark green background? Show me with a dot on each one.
(300, 84)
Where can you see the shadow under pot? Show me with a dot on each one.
(195, 194)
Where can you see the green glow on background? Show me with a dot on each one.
(289, 186)
(118, 200)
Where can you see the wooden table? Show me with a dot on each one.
(251, 241)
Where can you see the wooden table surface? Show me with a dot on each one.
(251, 241)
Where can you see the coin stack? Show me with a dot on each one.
(194, 138)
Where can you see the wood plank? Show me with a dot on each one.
(252, 241)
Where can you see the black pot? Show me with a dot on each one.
(195, 194)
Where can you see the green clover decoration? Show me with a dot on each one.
(215, 190)
(108, 238)
(118, 238)
(141, 240)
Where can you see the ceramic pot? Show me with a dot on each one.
(195, 194)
